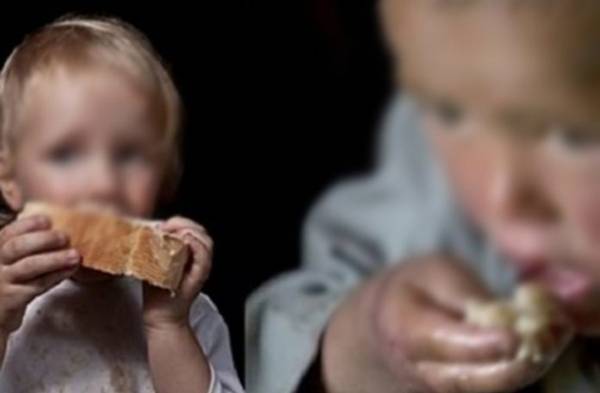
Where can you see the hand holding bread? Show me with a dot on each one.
(162, 310)
(174, 255)
(33, 259)
(532, 313)
(118, 245)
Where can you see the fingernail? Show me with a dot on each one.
(42, 220)
(73, 256)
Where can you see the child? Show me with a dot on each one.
(489, 164)
(89, 114)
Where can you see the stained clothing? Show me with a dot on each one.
(89, 338)
(403, 208)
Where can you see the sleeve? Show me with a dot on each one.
(403, 208)
(213, 335)
(356, 228)
(286, 316)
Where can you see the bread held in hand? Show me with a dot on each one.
(118, 245)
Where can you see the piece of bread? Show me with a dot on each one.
(530, 313)
(118, 245)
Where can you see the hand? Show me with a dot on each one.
(161, 310)
(403, 332)
(33, 259)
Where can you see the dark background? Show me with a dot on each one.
(282, 98)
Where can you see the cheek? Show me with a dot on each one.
(469, 182)
(578, 192)
(141, 187)
(583, 209)
(39, 182)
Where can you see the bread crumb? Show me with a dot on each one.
(530, 313)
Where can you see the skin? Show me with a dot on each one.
(509, 105)
(90, 136)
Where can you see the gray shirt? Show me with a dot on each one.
(402, 208)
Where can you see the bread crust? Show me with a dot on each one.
(118, 245)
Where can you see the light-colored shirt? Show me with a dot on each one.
(89, 338)
(403, 207)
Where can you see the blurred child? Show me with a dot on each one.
(488, 175)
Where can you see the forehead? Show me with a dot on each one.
(98, 94)
(536, 56)
(90, 105)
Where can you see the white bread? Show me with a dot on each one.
(530, 313)
(118, 245)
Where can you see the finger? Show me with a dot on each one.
(504, 376)
(425, 331)
(507, 375)
(190, 237)
(31, 243)
(200, 266)
(179, 222)
(443, 338)
(47, 281)
(40, 264)
(460, 285)
(201, 248)
(24, 225)
(194, 278)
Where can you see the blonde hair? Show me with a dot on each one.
(80, 42)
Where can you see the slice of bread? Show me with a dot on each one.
(118, 245)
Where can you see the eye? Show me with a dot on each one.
(64, 154)
(128, 153)
(575, 139)
(446, 113)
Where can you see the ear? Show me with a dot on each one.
(11, 192)
(389, 22)
(389, 19)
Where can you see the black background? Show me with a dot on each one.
(282, 98)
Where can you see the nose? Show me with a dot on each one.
(516, 192)
(103, 182)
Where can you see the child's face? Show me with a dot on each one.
(87, 137)
(514, 118)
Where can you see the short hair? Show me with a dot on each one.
(78, 42)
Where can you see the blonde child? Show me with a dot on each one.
(89, 114)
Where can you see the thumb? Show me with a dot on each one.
(456, 285)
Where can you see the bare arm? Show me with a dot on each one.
(3, 342)
(177, 362)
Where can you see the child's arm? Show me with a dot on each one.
(3, 340)
(33, 259)
(179, 352)
(403, 331)
(177, 361)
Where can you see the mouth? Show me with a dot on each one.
(534, 255)
(571, 287)
(528, 251)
